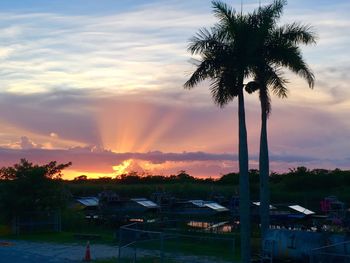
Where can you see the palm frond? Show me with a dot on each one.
(289, 55)
(273, 10)
(266, 17)
(297, 33)
(265, 100)
(268, 77)
(205, 40)
(223, 12)
(277, 82)
(223, 88)
(201, 73)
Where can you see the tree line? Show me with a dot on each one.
(27, 187)
(311, 178)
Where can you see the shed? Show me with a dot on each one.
(196, 209)
(89, 205)
(129, 209)
(88, 201)
(291, 215)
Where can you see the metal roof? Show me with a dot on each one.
(199, 203)
(212, 205)
(145, 202)
(216, 206)
(88, 201)
(301, 209)
(258, 204)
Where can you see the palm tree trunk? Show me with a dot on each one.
(244, 198)
(264, 175)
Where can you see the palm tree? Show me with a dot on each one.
(277, 47)
(225, 55)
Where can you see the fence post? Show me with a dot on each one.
(59, 221)
(120, 243)
(135, 254)
(311, 257)
(14, 226)
(272, 250)
(18, 227)
(161, 248)
(234, 248)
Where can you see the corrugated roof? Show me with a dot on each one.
(145, 202)
(301, 209)
(199, 203)
(216, 206)
(88, 201)
(212, 205)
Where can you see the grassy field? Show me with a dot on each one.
(97, 235)
(214, 246)
(140, 260)
(221, 249)
(194, 246)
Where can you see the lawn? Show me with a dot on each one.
(100, 237)
(222, 247)
(139, 260)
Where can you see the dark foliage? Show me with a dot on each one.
(28, 188)
(299, 185)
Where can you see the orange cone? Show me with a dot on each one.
(87, 253)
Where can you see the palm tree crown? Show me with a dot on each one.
(277, 47)
(223, 53)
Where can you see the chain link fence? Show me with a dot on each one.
(336, 253)
(174, 245)
(31, 222)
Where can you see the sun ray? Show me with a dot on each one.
(134, 126)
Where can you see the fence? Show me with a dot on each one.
(136, 242)
(30, 222)
(336, 253)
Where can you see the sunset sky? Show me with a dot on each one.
(100, 83)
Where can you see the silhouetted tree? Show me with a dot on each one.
(225, 55)
(28, 187)
(276, 47)
(132, 177)
(230, 178)
(80, 178)
(300, 170)
(183, 176)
